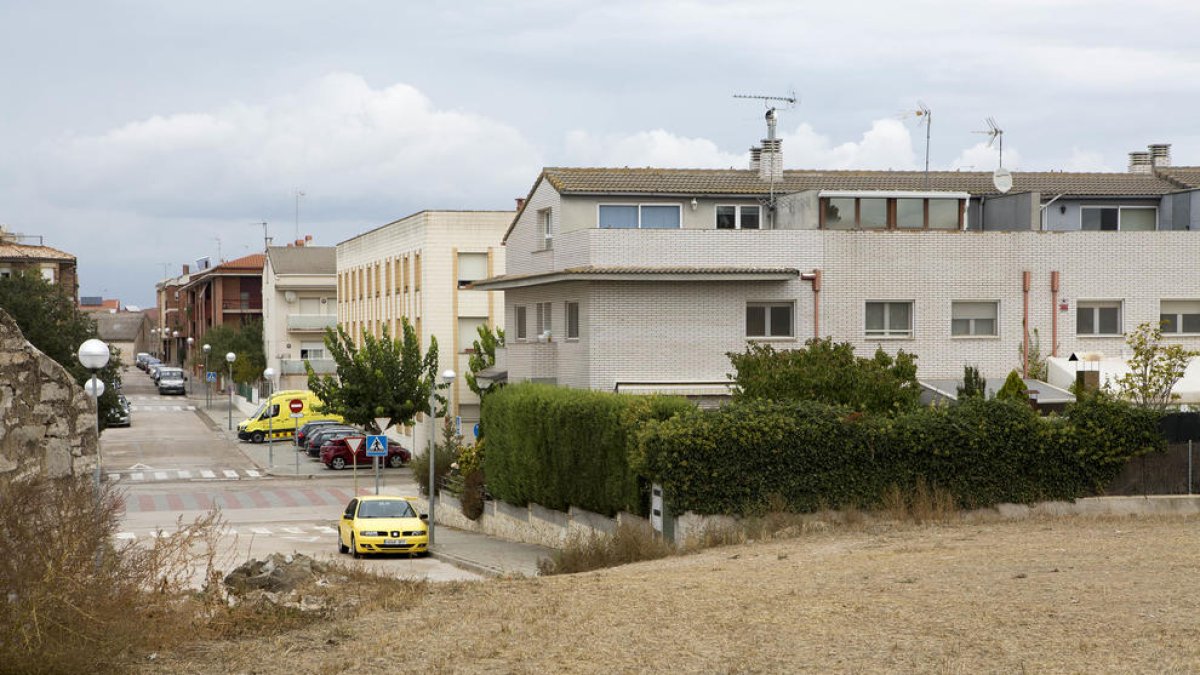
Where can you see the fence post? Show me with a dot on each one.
(1189, 466)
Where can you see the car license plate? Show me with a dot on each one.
(393, 542)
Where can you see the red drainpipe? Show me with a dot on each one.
(1054, 313)
(815, 277)
(1025, 323)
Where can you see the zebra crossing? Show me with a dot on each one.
(148, 475)
(230, 498)
(295, 532)
(150, 403)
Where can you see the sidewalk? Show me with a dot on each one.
(479, 553)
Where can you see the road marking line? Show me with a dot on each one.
(293, 530)
(183, 473)
(207, 474)
(136, 476)
(260, 530)
(160, 475)
(230, 473)
(253, 474)
(325, 529)
(114, 476)
(126, 535)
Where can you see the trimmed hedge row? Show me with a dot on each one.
(562, 447)
(732, 460)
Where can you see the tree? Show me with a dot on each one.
(830, 373)
(973, 385)
(385, 378)
(484, 356)
(1014, 389)
(245, 341)
(1154, 369)
(51, 322)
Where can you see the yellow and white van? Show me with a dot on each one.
(274, 416)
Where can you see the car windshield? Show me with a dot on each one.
(170, 372)
(390, 508)
(259, 411)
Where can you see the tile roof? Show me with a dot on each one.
(1182, 176)
(303, 259)
(254, 261)
(746, 182)
(118, 326)
(10, 251)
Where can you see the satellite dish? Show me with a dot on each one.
(1002, 179)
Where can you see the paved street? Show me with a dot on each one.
(175, 463)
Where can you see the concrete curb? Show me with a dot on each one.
(468, 565)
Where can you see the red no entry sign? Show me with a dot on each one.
(296, 405)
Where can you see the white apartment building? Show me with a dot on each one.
(642, 280)
(419, 268)
(299, 290)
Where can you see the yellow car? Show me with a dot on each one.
(382, 524)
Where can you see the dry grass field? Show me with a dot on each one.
(1070, 595)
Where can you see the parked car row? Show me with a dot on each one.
(330, 441)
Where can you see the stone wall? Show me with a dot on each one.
(532, 524)
(47, 422)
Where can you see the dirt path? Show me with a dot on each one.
(1053, 595)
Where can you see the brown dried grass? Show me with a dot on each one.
(1075, 594)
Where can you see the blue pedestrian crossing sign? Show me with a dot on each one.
(211, 376)
(377, 446)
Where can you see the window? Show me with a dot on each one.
(644, 216)
(312, 351)
(973, 318)
(468, 331)
(888, 213)
(471, 267)
(546, 227)
(769, 319)
(5, 272)
(1098, 317)
(889, 319)
(1114, 218)
(48, 274)
(545, 314)
(738, 217)
(520, 321)
(1180, 316)
(573, 320)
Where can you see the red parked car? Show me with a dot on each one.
(336, 454)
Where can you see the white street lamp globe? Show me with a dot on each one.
(93, 354)
(448, 375)
(175, 334)
(191, 341)
(269, 373)
(207, 348)
(94, 387)
(231, 357)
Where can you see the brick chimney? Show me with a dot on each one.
(186, 269)
(520, 203)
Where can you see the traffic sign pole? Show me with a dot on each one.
(297, 407)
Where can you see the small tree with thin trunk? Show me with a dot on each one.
(1154, 369)
(386, 377)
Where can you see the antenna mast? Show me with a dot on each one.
(219, 258)
(771, 142)
(299, 194)
(926, 116)
(266, 239)
(994, 132)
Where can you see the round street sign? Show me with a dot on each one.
(296, 405)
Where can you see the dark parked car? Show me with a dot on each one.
(336, 454)
(309, 428)
(119, 416)
(325, 434)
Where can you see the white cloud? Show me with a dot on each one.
(657, 148)
(338, 138)
(1086, 160)
(886, 145)
(982, 157)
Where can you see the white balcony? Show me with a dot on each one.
(296, 366)
(311, 322)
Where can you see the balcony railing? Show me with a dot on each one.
(296, 366)
(315, 322)
(252, 305)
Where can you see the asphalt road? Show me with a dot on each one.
(173, 465)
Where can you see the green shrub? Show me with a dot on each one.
(562, 447)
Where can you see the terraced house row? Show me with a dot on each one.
(642, 280)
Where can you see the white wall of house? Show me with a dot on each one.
(296, 310)
(411, 269)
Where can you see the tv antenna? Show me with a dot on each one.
(219, 258)
(994, 133)
(166, 269)
(771, 144)
(266, 239)
(299, 194)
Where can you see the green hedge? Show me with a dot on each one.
(814, 456)
(562, 447)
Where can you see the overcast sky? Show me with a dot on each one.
(135, 133)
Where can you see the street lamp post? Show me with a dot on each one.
(207, 386)
(447, 378)
(190, 341)
(230, 358)
(269, 376)
(178, 356)
(93, 354)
